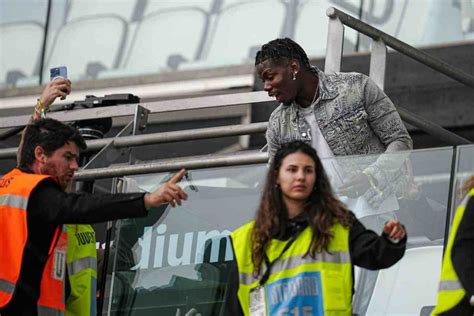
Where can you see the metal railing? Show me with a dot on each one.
(165, 165)
(380, 41)
(333, 59)
(125, 110)
(162, 138)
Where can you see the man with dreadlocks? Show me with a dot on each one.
(338, 114)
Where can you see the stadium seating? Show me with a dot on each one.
(241, 27)
(311, 26)
(89, 8)
(20, 58)
(85, 51)
(397, 18)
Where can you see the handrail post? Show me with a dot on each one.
(378, 62)
(335, 44)
(407, 50)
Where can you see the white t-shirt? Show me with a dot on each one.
(359, 205)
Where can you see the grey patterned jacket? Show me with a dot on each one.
(355, 117)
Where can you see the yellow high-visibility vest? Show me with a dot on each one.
(81, 260)
(297, 283)
(450, 290)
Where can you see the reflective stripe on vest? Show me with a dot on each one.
(333, 268)
(48, 311)
(450, 286)
(14, 201)
(52, 300)
(82, 264)
(450, 290)
(15, 189)
(82, 270)
(7, 286)
(294, 262)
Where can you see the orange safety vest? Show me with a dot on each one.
(15, 189)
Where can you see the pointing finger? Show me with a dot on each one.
(178, 176)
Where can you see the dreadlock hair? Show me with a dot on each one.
(282, 49)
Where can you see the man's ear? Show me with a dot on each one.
(295, 66)
(40, 154)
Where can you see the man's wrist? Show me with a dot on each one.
(372, 182)
(146, 201)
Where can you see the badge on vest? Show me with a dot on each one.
(59, 269)
(257, 301)
(300, 295)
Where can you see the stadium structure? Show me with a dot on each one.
(201, 106)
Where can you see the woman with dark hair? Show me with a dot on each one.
(297, 257)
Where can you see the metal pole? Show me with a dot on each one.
(45, 42)
(166, 137)
(335, 46)
(165, 106)
(186, 135)
(451, 197)
(378, 59)
(432, 128)
(422, 57)
(194, 162)
(6, 153)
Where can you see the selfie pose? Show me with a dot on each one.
(298, 255)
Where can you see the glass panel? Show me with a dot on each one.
(176, 258)
(422, 194)
(464, 170)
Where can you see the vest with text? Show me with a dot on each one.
(297, 280)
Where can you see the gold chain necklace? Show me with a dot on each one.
(315, 94)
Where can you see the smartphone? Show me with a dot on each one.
(58, 72)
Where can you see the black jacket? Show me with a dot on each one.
(48, 207)
(367, 250)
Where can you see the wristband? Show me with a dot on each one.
(39, 108)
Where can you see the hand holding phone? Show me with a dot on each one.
(60, 72)
(58, 87)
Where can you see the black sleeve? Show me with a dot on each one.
(50, 204)
(463, 249)
(232, 304)
(371, 251)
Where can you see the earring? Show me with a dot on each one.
(294, 75)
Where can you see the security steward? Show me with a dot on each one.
(456, 286)
(81, 260)
(33, 208)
